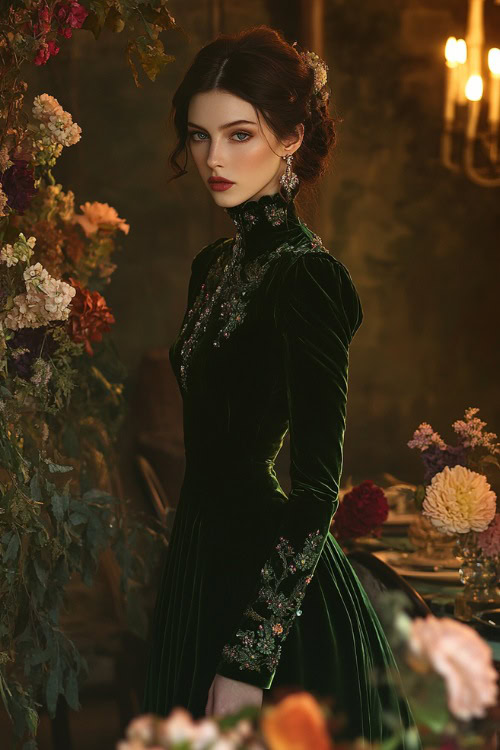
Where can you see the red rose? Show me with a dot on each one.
(361, 511)
(89, 318)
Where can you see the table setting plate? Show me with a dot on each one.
(489, 618)
(431, 569)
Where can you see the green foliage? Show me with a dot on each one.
(58, 424)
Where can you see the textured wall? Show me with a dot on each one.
(421, 244)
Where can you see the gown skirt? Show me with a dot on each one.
(332, 647)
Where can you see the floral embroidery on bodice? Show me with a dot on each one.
(265, 229)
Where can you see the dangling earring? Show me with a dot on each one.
(289, 180)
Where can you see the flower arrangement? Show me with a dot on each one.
(475, 448)
(447, 672)
(456, 496)
(362, 511)
(33, 29)
(61, 406)
(458, 501)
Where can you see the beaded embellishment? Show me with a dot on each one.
(233, 285)
(261, 648)
(276, 215)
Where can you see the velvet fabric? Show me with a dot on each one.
(254, 586)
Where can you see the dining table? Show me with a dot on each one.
(438, 587)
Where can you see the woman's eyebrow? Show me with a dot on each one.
(227, 125)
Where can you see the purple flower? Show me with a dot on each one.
(18, 185)
(37, 341)
(435, 459)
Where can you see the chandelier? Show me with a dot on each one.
(472, 109)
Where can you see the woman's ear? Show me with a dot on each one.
(294, 142)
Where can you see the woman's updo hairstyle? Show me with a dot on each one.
(259, 66)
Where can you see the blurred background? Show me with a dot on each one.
(420, 240)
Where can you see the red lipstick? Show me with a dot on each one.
(219, 183)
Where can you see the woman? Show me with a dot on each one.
(255, 591)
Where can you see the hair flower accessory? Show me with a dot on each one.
(320, 68)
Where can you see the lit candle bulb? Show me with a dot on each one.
(473, 92)
(451, 80)
(462, 74)
(494, 88)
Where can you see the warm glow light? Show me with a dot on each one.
(450, 51)
(474, 88)
(461, 51)
(494, 61)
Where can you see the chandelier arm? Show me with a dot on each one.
(472, 172)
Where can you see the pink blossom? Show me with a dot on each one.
(464, 659)
(424, 436)
(470, 431)
(489, 539)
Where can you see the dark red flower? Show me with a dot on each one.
(18, 184)
(361, 511)
(89, 317)
(46, 51)
(70, 16)
(44, 21)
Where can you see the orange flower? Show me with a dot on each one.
(296, 723)
(89, 316)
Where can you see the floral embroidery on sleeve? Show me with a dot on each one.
(262, 647)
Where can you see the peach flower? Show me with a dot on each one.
(96, 215)
(462, 658)
(296, 723)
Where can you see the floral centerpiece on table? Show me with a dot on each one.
(449, 679)
(458, 500)
(361, 512)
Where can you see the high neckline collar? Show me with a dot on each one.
(265, 223)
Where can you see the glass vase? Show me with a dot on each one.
(478, 574)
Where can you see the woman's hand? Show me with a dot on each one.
(227, 696)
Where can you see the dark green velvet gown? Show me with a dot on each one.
(254, 586)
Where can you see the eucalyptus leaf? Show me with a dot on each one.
(71, 690)
(57, 468)
(59, 506)
(78, 518)
(12, 548)
(41, 571)
(35, 489)
(51, 692)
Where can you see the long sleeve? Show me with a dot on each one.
(317, 312)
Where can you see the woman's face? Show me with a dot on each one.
(228, 138)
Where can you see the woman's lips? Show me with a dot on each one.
(220, 185)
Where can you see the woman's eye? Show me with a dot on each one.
(194, 133)
(246, 136)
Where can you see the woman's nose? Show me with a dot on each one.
(214, 158)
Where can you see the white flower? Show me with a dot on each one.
(54, 121)
(459, 500)
(21, 250)
(462, 658)
(46, 299)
